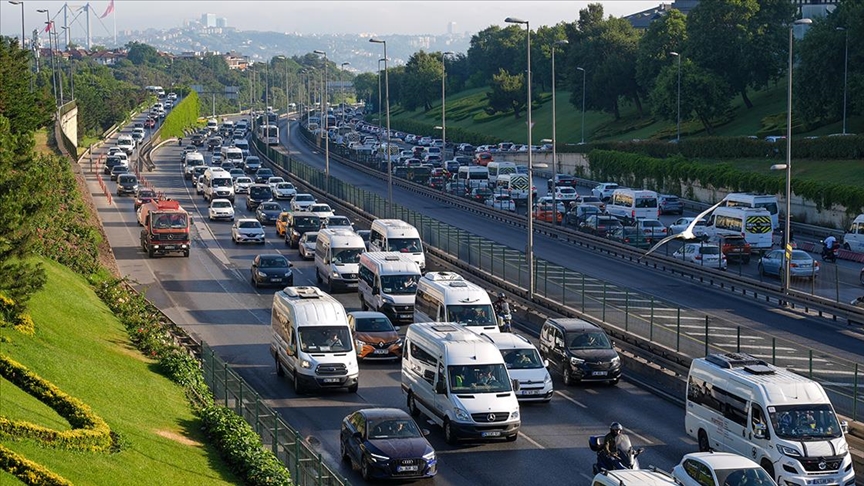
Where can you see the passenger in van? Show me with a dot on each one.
(486, 378)
(333, 341)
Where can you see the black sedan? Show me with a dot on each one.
(268, 212)
(272, 269)
(386, 443)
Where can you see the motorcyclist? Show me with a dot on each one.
(828, 246)
(499, 302)
(179, 140)
(612, 439)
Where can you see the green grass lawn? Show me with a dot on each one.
(81, 348)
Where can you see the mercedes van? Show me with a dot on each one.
(337, 258)
(447, 297)
(311, 340)
(397, 235)
(388, 284)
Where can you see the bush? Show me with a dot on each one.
(182, 116)
(28, 471)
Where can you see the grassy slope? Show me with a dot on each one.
(81, 348)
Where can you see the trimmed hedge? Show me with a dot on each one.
(453, 133)
(183, 115)
(28, 471)
(667, 175)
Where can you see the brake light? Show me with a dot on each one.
(633, 214)
(698, 257)
(793, 265)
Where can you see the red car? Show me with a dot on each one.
(483, 158)
(149, 123)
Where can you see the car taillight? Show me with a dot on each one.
(698, 257)
(633, 214)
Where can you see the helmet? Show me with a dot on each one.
(500, 295)
(616, 426)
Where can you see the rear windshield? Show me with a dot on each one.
(260, 192)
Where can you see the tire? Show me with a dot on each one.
(363, 305)
(412, 406)
(343, 452)
(186, 254)
(512, 438)
(566, 375)
(364, 469)
(280, 371)
(704, 444)
(353, 388)
(254, 282)
(614, 382)
(449, 435)
(298, 387)
(151, 253)
(768, 467)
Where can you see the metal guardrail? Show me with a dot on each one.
(230, 390)
(678, 332)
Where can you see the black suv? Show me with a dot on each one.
(580, 351)
(300, 222)
(258, 193)
(561, 180)
(262, 175)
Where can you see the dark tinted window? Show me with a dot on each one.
(260, 192)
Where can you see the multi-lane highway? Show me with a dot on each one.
(209, 294)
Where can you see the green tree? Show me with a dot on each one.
(423, 80)
(664, 35)
(703, 93)
(508, 93)
(26, 111)
(139, 53)
(366, 87)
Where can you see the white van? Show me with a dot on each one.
(754, 224)
(854, 238)
(447, 297)
(524, 365)
(459, 380)
(397, 235)
(218, 184)
(337, 258)
(630, 205)
(472, 176)
(516, 185)
(311, 340)
(193, 159)
(388, 284)
(233, 155)
(243, 145)
(212, 125)
(783, 421)
(127, 143)
(747, 200)
(497, 169)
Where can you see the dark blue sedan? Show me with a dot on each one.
(268, 212)
(386, 443)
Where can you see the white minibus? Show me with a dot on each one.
(497, 169)
(397, 235)
(388, 284)
(747, 200)
(337, 256)
(447, 297)
(754, 224)
(630, 205)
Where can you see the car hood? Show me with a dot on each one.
(377, 337)
(594, 354)
(402, 448)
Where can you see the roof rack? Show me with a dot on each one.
(443, 276)
(306, 292)
(734, 360)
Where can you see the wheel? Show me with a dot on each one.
(254, 282)
(567, 375)
(298, 387)
(150, 253)
(364, 469)
(186, 254)
(704, 445)
(614, 382)
(343, 452)
(353, 388)
(449, 435)
(768, 467)
(512, 438)
(363, 305)
(412, 406)
(280, 371)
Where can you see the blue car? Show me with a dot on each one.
(386, 443)
(802, 264)
(268, 212)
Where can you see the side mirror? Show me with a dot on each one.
(545, 363)
(425, 432)
(290, 265)
(396, 328)
(375, 291)
(357, 435)
(844, 426)
(440, 387)
(515, 384)
(759, 431)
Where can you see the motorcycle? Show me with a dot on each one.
(829, 254)
(505, 318)
(180, 141)
(627, 457)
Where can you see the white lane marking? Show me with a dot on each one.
(570, 399)
(529, 439)
(641, 437)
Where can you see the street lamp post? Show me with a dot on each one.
(444, 106)
(387, 102)
(529, 250)
(787, 243)
(324, 118)
(678, 125)
(21, 3)
(342, 88)
(583, 104)
(555, 168)
(845, 75)
(379, 96)
(51, 51)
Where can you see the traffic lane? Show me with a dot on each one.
(809, 330)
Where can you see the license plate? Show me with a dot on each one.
(491, 433)
(275, 279)
(331, 380)
(405, 316)
(406, 468)
(170, 247)
(598, 373)
(381, 351)
(530, 392)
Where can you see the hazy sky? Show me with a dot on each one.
(310, 17)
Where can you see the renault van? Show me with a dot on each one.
(337, 258)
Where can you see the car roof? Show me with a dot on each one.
(366, 314)
(572, 324)
(384, 413)
(721, 460)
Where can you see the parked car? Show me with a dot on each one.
(703, 254)
(682, 224)
(501, 202)
(268, 212)
(386, 443)
(247, 230)
(375, 335)
(669, 204)
(271, 269)
(306, 246)
(720, 468)
(221, 209)
(802, 264)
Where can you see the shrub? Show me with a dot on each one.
(28, 471)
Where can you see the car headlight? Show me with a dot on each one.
(399, 342)
(576, 361)
(305, 364)
(547, 379)
(379, 457)
(262, 274)
(336, 274)
(429, 456)
(359, 344)
(788, 451)
(616, 361)
(388, 300)
(514, 415)
(288, 273)
(462, 415)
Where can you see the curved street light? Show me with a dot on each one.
(678, 131)
(324, 118)
(387, 101)
(555, 168)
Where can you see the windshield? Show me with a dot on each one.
(405, 245)
(399, 284)
(522, 359)
(373, 324)
(347, 255)
(804, 422)
(393, 429)
(221, 204)
(471, 315)
(490, 378)
(271, 207)
(325, 339)
(165, 221)
(260, 192)
(221, 182)
(304, 198)
(742, 477)
(306, 222)
(588, 340)
(249, 224)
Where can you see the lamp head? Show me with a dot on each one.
(803, 22)
(673, 54)
(514, 20)
(562, 42)
(377, 41)
(580, 69)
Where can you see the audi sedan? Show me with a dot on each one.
(386, 443)
(801, 266)
(272, 269)
(247, 230)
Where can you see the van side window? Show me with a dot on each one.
(709, 395)
(757, 417)
(367, 276)
(425, 360)
(376, 239)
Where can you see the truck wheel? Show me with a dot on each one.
(449, 435)
(298, 387)
(280, 371)
(150, 253)
(704, 444)
(412, 406)
(768, 467)
(353, 388)
(566, 375)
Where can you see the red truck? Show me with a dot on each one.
(166, 228)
